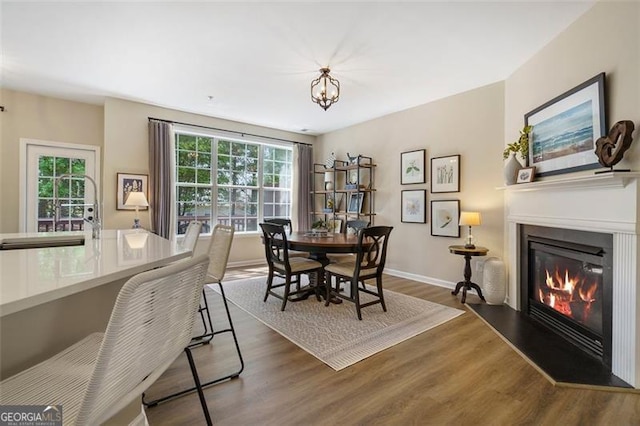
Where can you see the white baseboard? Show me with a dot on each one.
(242, 263)
(420, 278)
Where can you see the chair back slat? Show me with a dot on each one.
(219, 248)
(150, 325)
(373, 254)
(282, 222)
(275, 245)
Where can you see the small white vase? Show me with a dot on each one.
(511, 168)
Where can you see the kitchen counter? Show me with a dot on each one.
(29, 277)
(52, 297)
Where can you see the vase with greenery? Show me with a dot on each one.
(521, 146)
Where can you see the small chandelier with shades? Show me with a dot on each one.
(325, 90)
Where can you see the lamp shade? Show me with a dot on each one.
(136, 199)
(470, 219)
(328, 176)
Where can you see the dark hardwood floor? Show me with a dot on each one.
(458, 373)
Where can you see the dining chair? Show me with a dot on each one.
(356, 225)
(371, 254)
(150, 325)
(284, 266)
(219, 249)
(289, 227)
(191, 235)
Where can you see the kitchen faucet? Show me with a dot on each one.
(94, 211)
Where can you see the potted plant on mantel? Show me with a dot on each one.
(521, 146)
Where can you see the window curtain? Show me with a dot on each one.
(161, 178)
(301, 202)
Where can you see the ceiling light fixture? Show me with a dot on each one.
(325, 90)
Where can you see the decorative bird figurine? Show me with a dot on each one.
(609, 149)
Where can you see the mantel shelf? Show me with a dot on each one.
(611, 180)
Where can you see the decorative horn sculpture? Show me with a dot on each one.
(609, 149)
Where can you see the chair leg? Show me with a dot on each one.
(327, 285)
(211, 382)
(269, 283)
(208, 334)
(287, 288)
(196, 379)
(318, 287)
(380, 294)
(356, 296)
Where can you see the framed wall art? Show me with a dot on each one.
(412, 167)
(414, 206)
(566, 128)
(128, 182)
(445, 174)
(525, 175)
(445, 215)
(355, 202)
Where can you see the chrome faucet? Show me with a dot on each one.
(94, 212)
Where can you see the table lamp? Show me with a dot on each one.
(470, 219)
(136, 199)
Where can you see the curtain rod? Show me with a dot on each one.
(230, 131)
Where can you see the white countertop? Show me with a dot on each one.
(29, 277)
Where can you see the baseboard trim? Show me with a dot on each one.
(242, 263)
(420, 278)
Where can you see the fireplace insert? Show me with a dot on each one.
(566, 285)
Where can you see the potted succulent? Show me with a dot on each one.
(521, 146)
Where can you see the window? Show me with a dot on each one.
(238, 183)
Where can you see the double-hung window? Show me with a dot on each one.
(231, 182)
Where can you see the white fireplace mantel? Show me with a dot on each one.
(605, 203)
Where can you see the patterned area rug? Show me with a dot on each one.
(333, 334)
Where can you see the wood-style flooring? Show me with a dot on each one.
(459, 373)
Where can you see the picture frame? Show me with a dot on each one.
(413, 206)
(445, 216)
(445, 174)
(129, 182)
(412, 167)
(566, 128)
(526, 174)
(355, 202)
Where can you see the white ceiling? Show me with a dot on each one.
(257, 59)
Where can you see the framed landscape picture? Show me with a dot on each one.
(445, 215)
(445, 174)
(412, 167)
(566, 128)
(414, 206)
(355, 202)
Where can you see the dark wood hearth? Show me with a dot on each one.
(560, 360)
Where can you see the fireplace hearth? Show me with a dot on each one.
(566, 285)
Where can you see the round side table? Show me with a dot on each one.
(467, 284)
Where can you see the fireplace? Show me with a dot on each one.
(566, 285)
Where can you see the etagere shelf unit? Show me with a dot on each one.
(344, 192)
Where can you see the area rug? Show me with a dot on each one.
(333, 334)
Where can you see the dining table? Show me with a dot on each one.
(319, 245)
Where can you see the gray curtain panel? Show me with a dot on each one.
(160, 176)
(303, 164)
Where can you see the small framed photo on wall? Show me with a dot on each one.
(127, 183)
(445, 174)
(414, 206)
(412, 168)
(445, 215)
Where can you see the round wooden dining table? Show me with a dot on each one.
(318, 247)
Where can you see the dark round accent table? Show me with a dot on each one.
(467, 284)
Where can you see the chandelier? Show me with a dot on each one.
(325, 90)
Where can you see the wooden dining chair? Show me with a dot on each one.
(284, 266)
(356, 225)
(371, 254)
(286, 223)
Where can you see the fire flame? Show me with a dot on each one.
(565, 294)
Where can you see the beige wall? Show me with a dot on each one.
(126, 145)
(470, 124)
(39, 117)
(606, 38)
